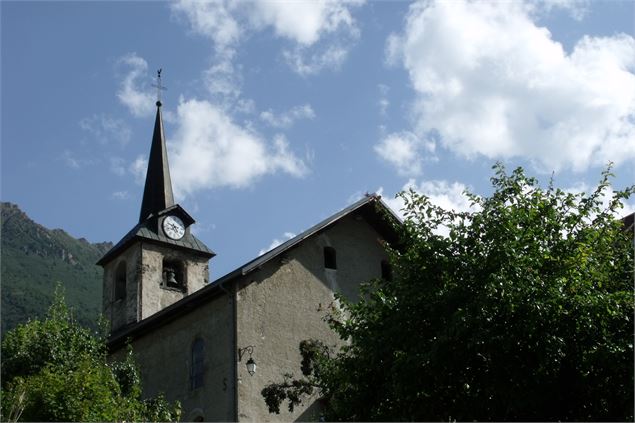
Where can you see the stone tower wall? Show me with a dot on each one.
(153, 296)
(123, 311)
(145, 294)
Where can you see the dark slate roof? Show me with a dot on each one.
(629, 222)
(368, 200)
(143, 232)
(157, 193)
(371, 207)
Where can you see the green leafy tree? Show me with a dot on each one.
(57, 370)
(523, 310)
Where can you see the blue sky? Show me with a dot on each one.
(278, 114)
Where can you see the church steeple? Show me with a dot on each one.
(159, 261)
(157, 194)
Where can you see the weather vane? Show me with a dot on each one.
(159, 87)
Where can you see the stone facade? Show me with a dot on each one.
(271, 308)
(285, 302)
(145, 290)
(155, 296)
(165, 362)
(123, 311)
(189, 336)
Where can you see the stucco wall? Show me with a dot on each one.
(284, 303)
(144, 262)
(122, 311)
(164, 358)
(153, 296)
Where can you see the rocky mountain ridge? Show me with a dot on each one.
(34, 259)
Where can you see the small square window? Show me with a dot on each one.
(330, 258)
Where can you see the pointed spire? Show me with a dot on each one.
(157, 194)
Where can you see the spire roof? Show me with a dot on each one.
(157, 194)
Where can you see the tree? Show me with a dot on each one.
(56, 370)
(523, 311)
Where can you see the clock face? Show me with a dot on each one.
(173, 227)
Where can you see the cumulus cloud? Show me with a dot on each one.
(106, 129)
(213, 19)
(448, 195)
(303, 23)
(138, 169)
(276, 242)
(405, 151)
(288, 118)
(310, 61)
(491, 82)
(628, 207)
(577, 9)
(132, 92)
(210, 150)
(223, 80)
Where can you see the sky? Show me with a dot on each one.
(278, 114)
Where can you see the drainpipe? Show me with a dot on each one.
(233, 348)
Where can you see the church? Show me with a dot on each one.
(215, 346)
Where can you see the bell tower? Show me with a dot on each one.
(159, 261)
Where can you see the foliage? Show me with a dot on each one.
(523, 311)
(291, 389)
(57, 370)
(32, 257)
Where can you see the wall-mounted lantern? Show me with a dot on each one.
(251, 363)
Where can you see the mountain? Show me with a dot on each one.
(35, 259)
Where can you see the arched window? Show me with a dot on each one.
(386, 270)
(330, 258)
(120, 281)
(198, 363)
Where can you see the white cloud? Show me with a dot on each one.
(106, 129)
(491, 82)
(303, 23)
(444, 194)
(288, 118)
(405, 151)
(577, 9)
(310, 61)
(448, 195)
(276, 242)
(223, 79)
(132, 92)
(210, 150)
(628, 207)
(121, 195)
(213, 19)
(117, 166)
(383, 99)
(71, 160)
(138, 169)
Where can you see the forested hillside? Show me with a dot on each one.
(35, 259)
